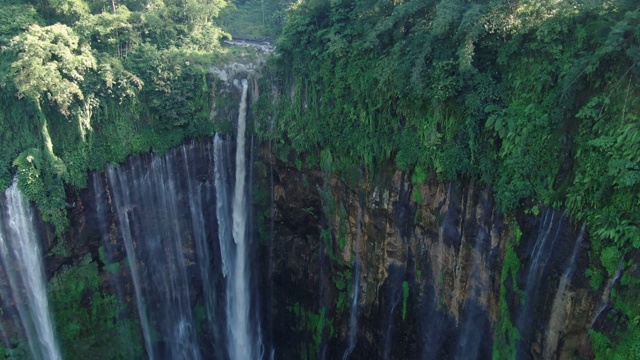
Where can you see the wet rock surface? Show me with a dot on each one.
(449, 252)
(430, 279)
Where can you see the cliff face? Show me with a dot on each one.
(360, 271)
(381, 268)
(150, 227)
(430, 279)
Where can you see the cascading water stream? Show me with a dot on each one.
(223, 204)
(109, 243)
(162, 242)
(239, 306)
(541, 252)
(200, 192)
(126, 233)
(605, 302)
(396, 276)
(243, 343)
(272, 212)
(23, 266)
(559, 310)
(355, 298)
(353, 316)
(473, 323)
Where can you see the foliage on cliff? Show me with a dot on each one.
(254, 19)
(86, 82)
(537, 99)
(97, 329)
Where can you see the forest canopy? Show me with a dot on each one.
(539, 99)
(89, 82)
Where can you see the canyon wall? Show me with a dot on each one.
(430, 281)
(375, 266)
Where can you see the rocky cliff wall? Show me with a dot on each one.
(430, 283)
(378, 267)
(382, 269)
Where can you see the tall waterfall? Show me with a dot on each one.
(243, 343)
(548, 233)
(197, 194)
(23, 267)
(355, 297)
(353, 317)
(473, 323)
(166, 247)
(559, 309)
(111, 251)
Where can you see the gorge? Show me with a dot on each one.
(159, 229)
(398, 180)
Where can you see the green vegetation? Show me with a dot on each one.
(627, 334)
(17, 349)
(255, 19)
(316, 326)
(344, 283)
(112, 267)
(418, 178)
(90, 82)
(536, 99)
(405, 298)
(91, 324)
(506, 334)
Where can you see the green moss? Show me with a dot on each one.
(595, 278)
(344, 283)
(417, 197)
(315, 326)
(405, 298)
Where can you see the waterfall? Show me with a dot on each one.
(540, 254)
(353, 317)
(197, 193)
(471, 332)
(23, 266)
(234, 242)
(125, 231)
(241, 345)
(165, 245)
(559, 310)
(605, 301)
(433, 327)
(272, 214)
(355, 298)
(111, 249)
(394, 296)
(223, 205)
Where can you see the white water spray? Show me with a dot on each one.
(22, 263)
(158, 206)
(223, 206)
(241, 342)
(133, 265)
